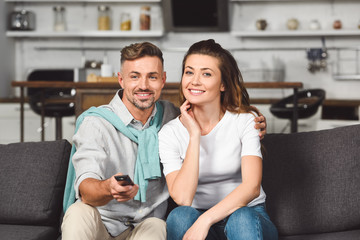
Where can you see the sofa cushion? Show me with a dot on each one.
(312, 180)
(347, 235)
(32, 177)
(21, 232)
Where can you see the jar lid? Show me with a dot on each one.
(59, 8)
(147, 8)
(103, 8)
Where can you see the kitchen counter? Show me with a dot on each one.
(98, 93)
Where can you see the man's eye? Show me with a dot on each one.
(153, 77)
(134, 77)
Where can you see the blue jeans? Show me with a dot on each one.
(249, 223)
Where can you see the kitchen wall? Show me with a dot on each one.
(264, 58)
(287, 54)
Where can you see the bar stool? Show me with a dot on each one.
(308, 104)
(47, 102)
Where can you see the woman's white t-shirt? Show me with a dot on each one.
(220, 155)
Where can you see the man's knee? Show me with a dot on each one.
(151, 228)
(80, 211)
(154, 222)
(80, 219)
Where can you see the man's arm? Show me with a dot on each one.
(99, 192)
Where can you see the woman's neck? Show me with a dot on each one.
(207, 117)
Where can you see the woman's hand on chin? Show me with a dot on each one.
(188, 120)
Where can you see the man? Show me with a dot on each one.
(123, 141)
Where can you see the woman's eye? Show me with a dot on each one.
(207, 74)
(188, 72)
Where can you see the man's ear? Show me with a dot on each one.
(120, 79)
(164, 77)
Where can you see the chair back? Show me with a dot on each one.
(36, 95)
(308, 104)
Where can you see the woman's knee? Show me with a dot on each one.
(180, 220)
(248, 223)
(181, 213)
(244, 215)
(243, 224)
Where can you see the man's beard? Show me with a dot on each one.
(142, 105)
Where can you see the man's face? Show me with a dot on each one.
(142, 80)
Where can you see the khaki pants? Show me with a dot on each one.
(83, 222)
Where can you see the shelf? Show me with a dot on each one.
(84, 1)
(355, 77)
(249, 1)
(297, 33)
(92, 34)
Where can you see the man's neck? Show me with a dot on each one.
(141, 115)
(138, 114)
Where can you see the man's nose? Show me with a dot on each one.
(143, 83)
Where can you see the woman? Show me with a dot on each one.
(211, 153)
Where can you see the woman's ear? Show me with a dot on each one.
(222, 88)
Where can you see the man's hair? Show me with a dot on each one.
(139, 50)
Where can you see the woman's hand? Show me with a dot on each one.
(188, 120)
(198, 231)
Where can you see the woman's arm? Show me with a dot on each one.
(182, 184)
(248, 190)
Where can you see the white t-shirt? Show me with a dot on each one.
(220, 155)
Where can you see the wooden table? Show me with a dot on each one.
(98, 93)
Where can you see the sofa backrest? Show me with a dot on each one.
(32, 177)
(312, 180)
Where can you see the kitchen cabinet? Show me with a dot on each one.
(245, 13)
(81, 18)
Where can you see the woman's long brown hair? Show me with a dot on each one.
(235, 97)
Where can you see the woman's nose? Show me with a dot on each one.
(196, 79)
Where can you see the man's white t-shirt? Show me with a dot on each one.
(220, 155)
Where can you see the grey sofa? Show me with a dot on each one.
(312, 182)
(32, 182)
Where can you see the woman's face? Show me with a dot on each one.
(201, 81)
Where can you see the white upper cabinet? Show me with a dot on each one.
(315, 18)
(81, 18)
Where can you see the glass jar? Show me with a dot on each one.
(59, 19)
(125, 22)
(103, 18)
(145, 18)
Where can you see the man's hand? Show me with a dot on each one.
(99, 192)
(260, 123)
(122, 193)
